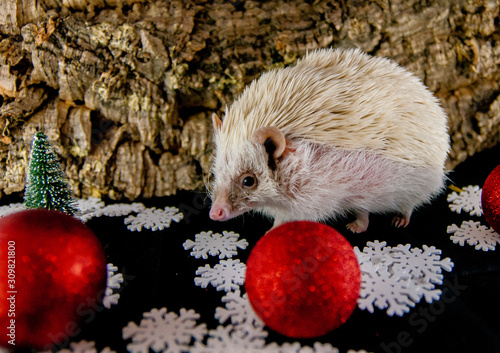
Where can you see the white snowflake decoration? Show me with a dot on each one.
(316, 348)
(224, 244)
(150, 218)
(114, 282)
(468, 200)
(298, 348)
(227, 275)
(154, 219)
(84, 347)
(422, 287)
(396, 278)
(122, 209)
(239, 310)
(377, 254)
(94, 207)
(164, 331)
(229, 339)
(421, 264)
(382, 289)
(88, 208)
(12, 208)
(475, 234)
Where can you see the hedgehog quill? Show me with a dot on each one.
(340, 132)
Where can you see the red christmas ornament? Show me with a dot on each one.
(52, 276)
(490, 199)
(303, 279)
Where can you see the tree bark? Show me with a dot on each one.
(125, 89)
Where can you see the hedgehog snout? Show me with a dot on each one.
(219, 212)
(221, 208)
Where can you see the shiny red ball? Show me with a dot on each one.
(490, 199)
(303, 279)
(52, 276)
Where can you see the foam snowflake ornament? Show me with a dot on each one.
(422, 288)
(206, 243)
(385, 290)
(83, 347)
(420, 263)
(88, 208)
(468, 200)
(164, 331)
(475, 234)
(12, 208)
(396, 278)
(238, 310)
(229, 339)
(376, 254)
(227, 275)
(113, 283)
(122, 209)
(296, 347)
(154, 219)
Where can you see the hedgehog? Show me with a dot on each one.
(341, 132)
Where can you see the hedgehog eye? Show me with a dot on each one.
(248, 181)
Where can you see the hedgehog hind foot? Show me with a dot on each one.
(360, 225)
(401, 220)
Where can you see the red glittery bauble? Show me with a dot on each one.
(303, 279)
(52, 276)
(490, 199)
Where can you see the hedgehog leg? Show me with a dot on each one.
(360, 225)
(401, 220)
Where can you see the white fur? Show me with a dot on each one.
(326, 182)
(364, 134)
(347, 99)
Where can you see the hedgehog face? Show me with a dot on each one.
(245, 175)
(243, 181)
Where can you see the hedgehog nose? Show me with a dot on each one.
(218, 213)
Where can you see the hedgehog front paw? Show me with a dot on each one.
(360, 225)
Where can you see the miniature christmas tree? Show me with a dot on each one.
(46, 185)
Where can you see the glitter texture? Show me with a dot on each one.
(303, 279)
(60, 276)
(490, 199)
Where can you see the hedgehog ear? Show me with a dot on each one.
(270, 134)
(216, 122)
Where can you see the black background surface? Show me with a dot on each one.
(160, 273)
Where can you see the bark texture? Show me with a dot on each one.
(125, 89)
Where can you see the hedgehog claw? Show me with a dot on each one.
(401, 221)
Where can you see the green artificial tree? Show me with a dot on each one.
(46, 185)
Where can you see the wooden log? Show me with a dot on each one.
(125, 89)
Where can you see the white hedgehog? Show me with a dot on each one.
(339, 132)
